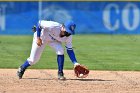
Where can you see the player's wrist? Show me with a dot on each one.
(38, 38)
(39, 41)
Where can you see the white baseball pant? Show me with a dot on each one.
(36, 50)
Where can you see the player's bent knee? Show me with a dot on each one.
(60, 52)
(32, 62)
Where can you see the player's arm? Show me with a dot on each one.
(70, 50)
(71, 54)
(38, 29)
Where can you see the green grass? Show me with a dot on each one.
(97, 52)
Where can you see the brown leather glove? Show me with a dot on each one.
(81, 71)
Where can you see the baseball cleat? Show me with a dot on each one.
(20, 72)
(61, 76)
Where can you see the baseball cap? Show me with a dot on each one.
(70, 27)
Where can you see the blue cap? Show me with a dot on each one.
(70, 27)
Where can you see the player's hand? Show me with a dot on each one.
(39, 41)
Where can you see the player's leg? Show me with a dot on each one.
(22, 69)
(35, 54)
(60, 58)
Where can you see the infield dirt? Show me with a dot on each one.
(45, 81)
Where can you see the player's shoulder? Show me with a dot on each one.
(48, 23)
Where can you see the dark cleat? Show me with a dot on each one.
(61, 76)
(20, 72)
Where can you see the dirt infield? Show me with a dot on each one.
(45, 81)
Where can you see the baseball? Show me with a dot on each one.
(81, 75)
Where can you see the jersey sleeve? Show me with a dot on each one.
(38, 29)
(42, 25)
(69, 42)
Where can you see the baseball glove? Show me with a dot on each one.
(81, 71)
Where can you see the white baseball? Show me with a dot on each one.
(81, 75)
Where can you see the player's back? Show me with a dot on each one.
(51, 29)
(49, 24)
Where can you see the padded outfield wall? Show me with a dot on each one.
(91, 17)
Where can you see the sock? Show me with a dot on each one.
(26, 64)
(60, 61)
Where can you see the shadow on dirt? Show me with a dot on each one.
(82, 79)
(40, 78)
(90, 79)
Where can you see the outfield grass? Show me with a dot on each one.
(98, 52)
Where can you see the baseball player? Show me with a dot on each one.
(53, 34)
